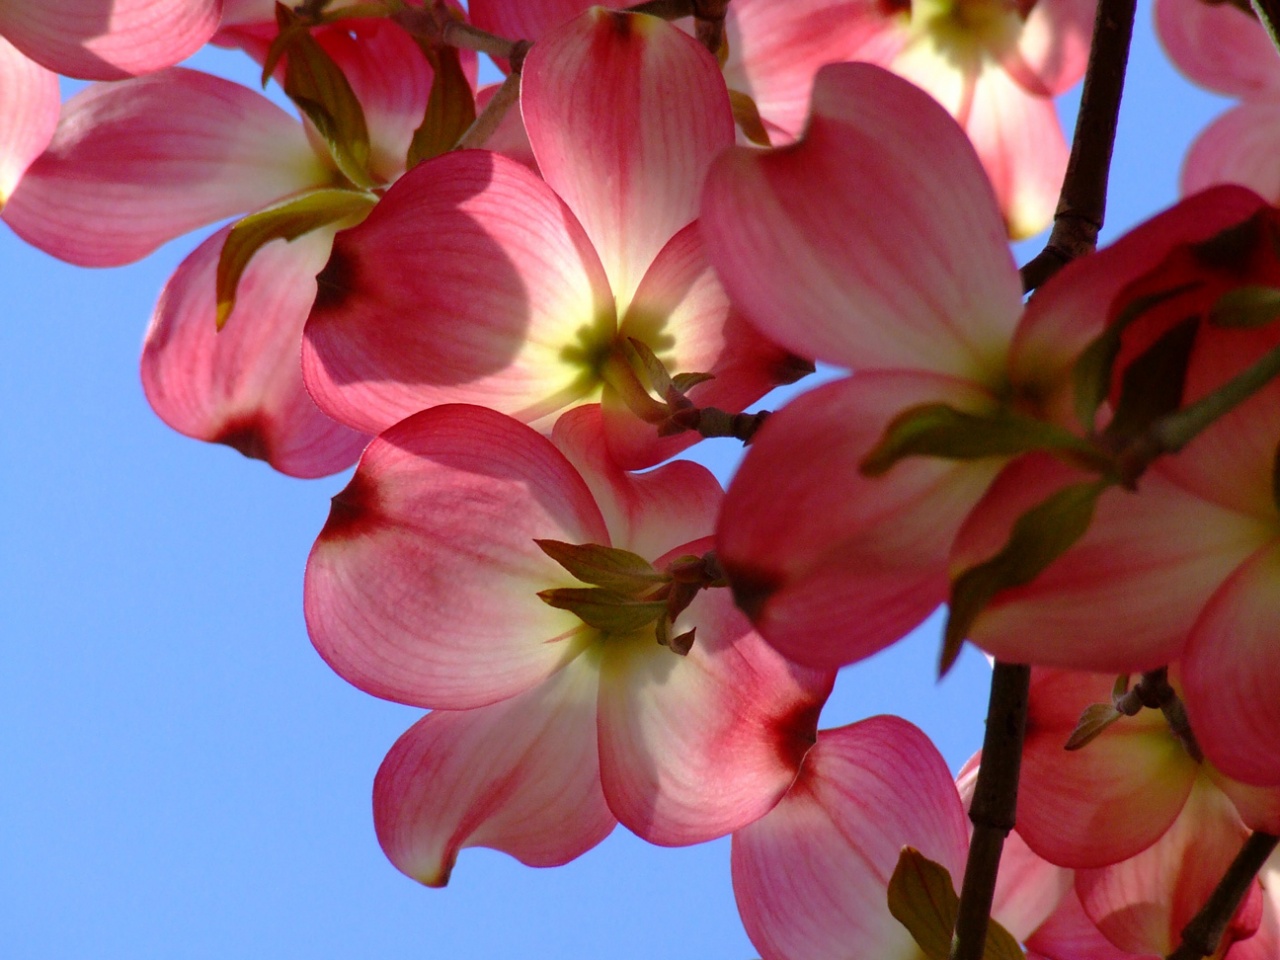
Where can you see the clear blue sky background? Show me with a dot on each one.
(182, 777)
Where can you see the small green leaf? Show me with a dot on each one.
(1095, 719)
(1151, 385)
(1039, 537)
(923, 899)
(314, 82)
(286, 220)
(1091, 375)
(1248, 306)
(940, 430)
(747, 116)
(604, 609)
(619, 570)
(684, 382)
(451, 107)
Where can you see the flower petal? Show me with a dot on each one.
(1218, 47)
(524, 19)
(1239, 147)
(1065, 314)
(1054, 42)
(1232, 670)
(29, 105)
(698, 746)
(811, 877)
(775, 49)
(242, 385)
(831, 565)
(1019, 138)
(423, 585)
(1122, 597)
(137, 163)
(650, 513)
(521, 776)
(596, 99)
(1109, 800)
(108, 39)
(1142, 904)
(469, 282)
(812, 241)
(1070, 935)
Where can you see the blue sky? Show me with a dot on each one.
(182, 777)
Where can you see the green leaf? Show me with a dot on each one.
(619, 570)
(1248, 306)
(747, 116)
(923, 899)
(286, 220)
(656, 376)
(1039, 536)
(320, 89)
(1095, 719)
(684, 382)
(1091, 375)
(1151, 385)
(451, 108)
(604, 609)
(940, 430)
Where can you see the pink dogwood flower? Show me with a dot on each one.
(474, 281)
(859, 249)
(135, 164)
(1184, 570)
(428, 585)
(29, 104)
(1228, 51)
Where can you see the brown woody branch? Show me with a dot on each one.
(1200, 937)
(1083, 202)
(994, 807)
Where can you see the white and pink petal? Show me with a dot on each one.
(242, 385)
(520, 776)
(136, 163)
(29, 105)
(596, 100)
(854, 247)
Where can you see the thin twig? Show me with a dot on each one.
(1083, 203)
(1200, 937)
(994, 807)
(491, 116)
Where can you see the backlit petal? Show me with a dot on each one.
(29, 105)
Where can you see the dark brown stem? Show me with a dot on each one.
(709, 23)
(994, 807)
(664, 9)
(1200, 937)
(714, 422)
(1083, 202)
(1154, 691)
(436, 24)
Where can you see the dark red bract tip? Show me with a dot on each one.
(752, 589)
(352, 511)
(247, 436)
(336, 281)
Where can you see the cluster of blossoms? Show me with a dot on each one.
(510, 310)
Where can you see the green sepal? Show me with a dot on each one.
(451, 107)
(684, 382)
(1249, 306)
(612, 567)
(1151, 385)
(940, 430)
(923, 899)
(1039, 536)
(286, 220)
(1095, 719)
(747, 116)
(314, 82)
(657, 379)
(606, 610)
(1091, 375)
